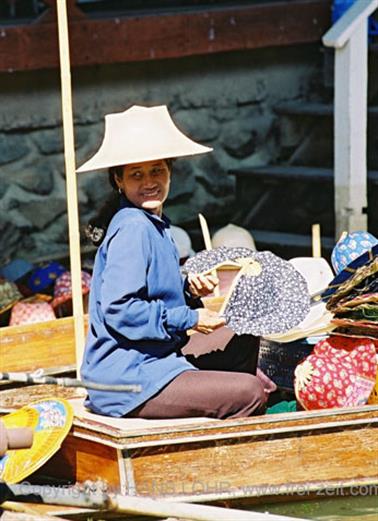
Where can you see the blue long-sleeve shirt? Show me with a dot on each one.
(137, 312)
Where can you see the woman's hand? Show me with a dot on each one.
(202, 285)
(208, 321)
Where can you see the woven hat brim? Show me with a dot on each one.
(322, 325)
(361, 275)
(9, 306)
(47, 438)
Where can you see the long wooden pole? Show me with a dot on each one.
(161, 508)
(71, 184)
(316, 241)
(141, 505)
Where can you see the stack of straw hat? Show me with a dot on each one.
(352, 296)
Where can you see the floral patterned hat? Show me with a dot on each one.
(349, 248)
(334, 376)
(267, 295)
(51, 420)
(63, 287)
(31, 313)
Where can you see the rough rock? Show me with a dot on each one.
(26, 210)
(36, 176)
(242, 136)
(210, 174)
(199, 124)
(12, 148)
(50, 141)
(182, 180)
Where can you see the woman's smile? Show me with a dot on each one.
(151, 193)
(146, 184)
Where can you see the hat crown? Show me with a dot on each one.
(31, 313)
(350, 247)
(141, 134)
(316, 271)
(63, 284)
(182, 241)
(233, 236)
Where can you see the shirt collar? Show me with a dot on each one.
(163, 220)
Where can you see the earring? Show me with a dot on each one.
(120, 191)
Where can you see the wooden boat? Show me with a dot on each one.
(236, 462)
(231, 461)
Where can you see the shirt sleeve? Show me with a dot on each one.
(124, 292)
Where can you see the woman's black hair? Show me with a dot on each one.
(97, 226)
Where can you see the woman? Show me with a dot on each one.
(140, 308)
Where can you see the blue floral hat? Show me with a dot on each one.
(352, 251)
(44, 276)
(350, 247)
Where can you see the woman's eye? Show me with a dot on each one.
(156, 171)
(136, 175)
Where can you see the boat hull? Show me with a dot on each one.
(249, 460)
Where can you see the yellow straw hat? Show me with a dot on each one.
(141, 134)
(51, 420)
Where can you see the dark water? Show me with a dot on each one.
(361, 508)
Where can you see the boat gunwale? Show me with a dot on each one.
(111, 436)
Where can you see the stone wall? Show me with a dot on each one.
(225, 101)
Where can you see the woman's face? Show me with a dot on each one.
(146, 184)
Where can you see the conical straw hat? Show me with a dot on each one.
(51, 420)
(141, 134)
